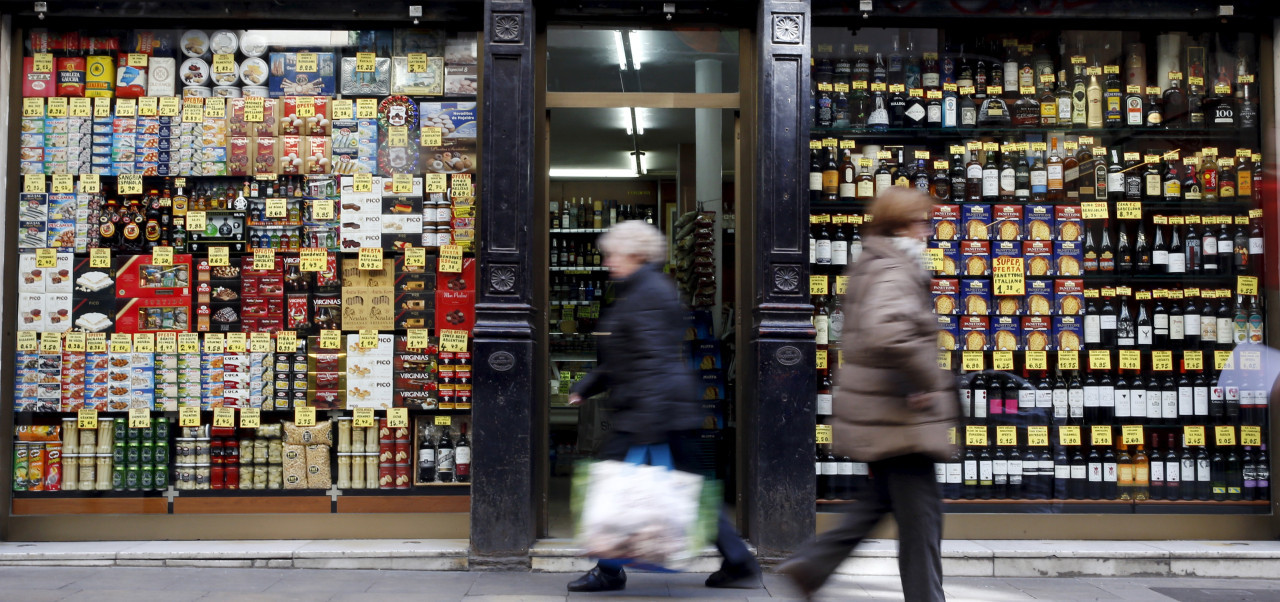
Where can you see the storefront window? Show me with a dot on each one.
(245, 263)
(641, 60)
(1097, 255)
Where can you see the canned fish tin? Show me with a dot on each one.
(20, 466)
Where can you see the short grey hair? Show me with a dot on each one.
(635, 238)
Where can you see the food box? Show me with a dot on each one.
(375, 83)
(426, 83)
(370, 372)
(1039, 297)
(1038, 258)
(286, 80)
(946, 222)
(1037, 332)
(1006, 222)
(1006, 333)
(1038, 222)
(1068, 333)
(946, 295)
(976, 220)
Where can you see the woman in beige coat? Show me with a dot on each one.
(893, 406)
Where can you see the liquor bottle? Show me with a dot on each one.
(1010, 67)
(1124, 251)
(1075, 399)
(1244, 179)
(1203, 472)
(1220, 107)
(1106, 399)
(1255, 243)
(970, 489)
(1093, 92)
(1174, 113)
(462, 456)
(1177, 254)
(1048, 101)
(1171, 187)
(1079, 97)
(1209, 178)
(1056, 192)
(897, 105)
(916, 111)
(1134, 115)
(1141, 474)
(1154, 107)
(1226, 250)
(940, 186)
(1133, 179)
(1249, 476)
(1152, 183)
(846, 475)
(1115, 188)
(1159, 252)
(847, 188)
(1063, 100)
(956, 178)
(990, 174)
(1015, 469)
(883, 178)
(1226, 179)
(1096, 486)
(1255, 322)
(1071, 170)
(994, 112)
(1126, 331)
(973, 178)
(1110, 475)
(1039, 178)
(1262, 468)
(839, 248)
(1021, 178)
(1124, 468)
(1090, 263)
(1112, 98)
(986, 474)
(1143, 328)
(1174, 475)
(978, 392)
(1156, 464)
(426, 457)
(1107, 325)
(920, 177)
(1218, 475)
(1061, 474)
(830, 177)
(446, 458)
(996, 397)
(1079, 485)
(878, 112)
(933, 109)
(1026, 109)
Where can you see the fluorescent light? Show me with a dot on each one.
(637, 117)
(628, 120)
(634, 37)
(622, 53)
(563, 172)
(644, 169)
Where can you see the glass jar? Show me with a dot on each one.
(371, 469)
(344, 469)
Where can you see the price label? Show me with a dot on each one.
(366, 108)
(1195, 81)
(934, 259)
(277, 208)
(304, 416)
(1038, 436)
(57, 107)
(940, 165)
(330, 339)
(33, 107)
(139, 418)
(368, 339)
(417, 62)
(121, 343)
(453, 340)
(75, 341)
(90, 183)
(63, 184)
(342, 109)
(1069, 435)
(237, 342)
(147, 106)
(188, 342)
(144, 342)
(922, 154)
(1007, 276)
(219, 256)
(363, 418)
(87, 419)
(847, 144)
(1193, 360)
(398, 418)
(822, 434)
(365, 62)
(189, 417)
(1224, 435)
(951, 435)
(417, 338)
(1069, 360)
(42, 62)
(321, 210)
(1094, 210)
(1131, 434)
(1246, 285)
(431, 136)
(842, 284)
(101, 106)
(944, 360)
(196, 220)
(169, 106)
(1222, 360)
(1100, 435)
(264, 259)
(371, 258)
(1006, 435)
(971, 361)
(33, 183)
(1037, 360)
(822, 359)
(27, 341)
(215, 342)
(1250, 360)
(286, 341)
(1251, 435)
(975, 435)
(162, 256)
(398, 135)
(214, 108)
(306, 62)
(416, 257)
(304, 106)
(46, 258)
(260, 342)
(818, 284)
(254, 107)
(362, 182)
(250, 418)
(1002, 360)
(435, 183)
(1194, 435)
(1162, 361)
(1099, 359)
(934, 94)
(129, 184)
(443, 421)
(126, 107)
(137, 59)
(995, 90)
(51, 343)
(313, 260)
(402, 183)
(451, 259)
(1130, 359)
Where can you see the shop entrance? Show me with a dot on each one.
(640, 124)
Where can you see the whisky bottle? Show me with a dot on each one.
(1026, 109)
(1154, 107)
(1113, 101)
(1174, 113)
(847, 190)
(1048, 102)
(994, 113)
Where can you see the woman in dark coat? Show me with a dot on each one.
(652, 391)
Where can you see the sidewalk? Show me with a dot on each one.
(124, 584)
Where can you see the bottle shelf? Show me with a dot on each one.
(571, 270)
(579, 230)
(915, 136)
(951, 506)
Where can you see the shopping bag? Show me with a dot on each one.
(642, 512)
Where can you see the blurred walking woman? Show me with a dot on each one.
(893, 405)
(652, 391)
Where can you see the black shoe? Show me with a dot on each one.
(597, 580)
(735, 577)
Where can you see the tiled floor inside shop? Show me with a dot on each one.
(125, 584)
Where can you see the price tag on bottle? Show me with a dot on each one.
(46, 258)
(87, 419)
(330, 339)
(313, 260)
(1162, 361)
(818, 284)
(33, 183)
(453, 340)
(1038, 436)
(144, 342)
(1008, 276)
(1130, 359)
(1002, 360)
(975, 435)
(363, 418)
(250, 418)
(1251, 435)
(1100, 435)
(822, 434)
(944, 360)
(139, 418)
(371, 258)
(1069, 360)
(1193, 360)
(286, 341)
(1037, 360)
(1069, 435)
(971, 361)
(1099, 359)
(1193, 435)
(362, 182)
(1094, 210)
(1131, 434)
(1246, 285)
(1224, 435)
(219, 256)
(304, 416)
(367, 108)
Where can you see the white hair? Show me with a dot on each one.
(635, 238)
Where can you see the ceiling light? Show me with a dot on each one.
(622, 52)
(563, 172)
(640, 166)
(637, 118)
(634, 37)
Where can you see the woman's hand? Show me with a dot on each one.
(575, 399)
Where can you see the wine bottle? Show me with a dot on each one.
(446, 460)
(462, 456)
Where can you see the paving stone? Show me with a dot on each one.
(131, 595)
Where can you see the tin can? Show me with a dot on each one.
(402, 476)
(35, 467)
(386, 452)
(401, 452)
(20, 466)
(133, 452)
(161, 432)
(160, 480)
(196, 92)
(255, 91)
(232, 476)
(161, 455)
(226, 91)
(118, 478)
(386, 476)
(217, 476)
(147, 477)
(118, 453)
(53, 467)
(123, 431)
(132, 477)
(148, 454)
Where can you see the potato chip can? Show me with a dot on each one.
(20, 466)
(35, 467)
(53, 467)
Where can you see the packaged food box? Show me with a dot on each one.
(975, 297)
(946, 295)
(1038, 257)
(1006, 333)
(1039, 297)
(974, 333)
(286, 80)
(1068, 333)
(976, 219)
(1038, 222)
(1006, 222)
(1068, 258)
(1037, 333)
(946, 222)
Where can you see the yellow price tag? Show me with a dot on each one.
(50, 343)
(1002, 360)
(368, 339)
(1128, 210)
(822, 359)
(139, 418)
(304, 106)
(121, 342)
(264, 259)
(842, 284)
(1069, 360)
(975, 435)
(1251, 435)
(57, 107)
(331, 339)
(417, 62)
(398, 418)
(129, 184)
(453, 340)
(1007, 276)
(1131, 434)
(224, 417)
(342, 109)
(1130, 359)
(196, 221)
(215, 342)
(1224, 435)
(33, 183)
(277, 208)
(306, 62)
(219, 256)
(443, 421)
(313, 260)
(46, 258)
(398, 135)
(818, 284)
(188, 342)
(87, 419)
(416, 257)
(364, 418)
(1006, 435)
(435, 182)
(75, 341)
(147, 106)
(1250, 360)
(1038, 436)
(250, 418)
(286, 341)
(260, 342)
(934, 259)
(1246, 285)
(1193, 435)
(1193, 360)
(254, 109)
(236, 342)
(371, 258)
(431, 137)
(189, 417)
(144, 342)
(215, 108)
(304, 416)
(1094, 210)
(1162, 361)
(450, 259)
(971, 361)
(168, 106)
(417, 338)
(126, 107)
(95, 342)
(42, 62)
(822, 434)
(1100, 435)
(137, 59)
(1099, 359)
(322, 209)
(166, 342)
(63, 184)
(28, 341)
(366, 62)
(367, 108)
(402, 183)
(90, 183)
(33, 107)
(944, 360)
(362, 182)
(1069, 435)
(1037, 360)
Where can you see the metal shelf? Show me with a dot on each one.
(914, 136)
(579, 230)
(556, 268)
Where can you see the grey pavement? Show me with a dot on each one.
(143, 584)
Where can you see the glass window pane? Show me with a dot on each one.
(641, 60)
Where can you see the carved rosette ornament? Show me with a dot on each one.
(502, 278)
(506, 28)
(786, 278)
(786, 29)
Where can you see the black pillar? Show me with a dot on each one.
(502, 496)
(779, 440)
